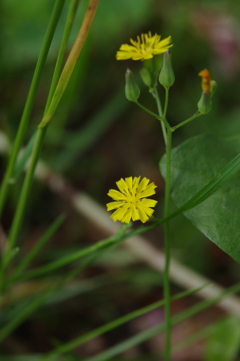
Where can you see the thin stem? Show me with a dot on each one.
(30, 100)
(162, 119)
(18, 216)
(196, 115)
(63, 81)
(25, 189)
(109, 326)
(63, 46)
(56, 74)
(166, 103)
(166, 280)
(160, 112)
(71, 61)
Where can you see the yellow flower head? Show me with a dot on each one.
(144, 48)
(130, 202)
(206, 80)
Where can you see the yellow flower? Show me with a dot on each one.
(144, 48)
(130, 202)
(206, 81)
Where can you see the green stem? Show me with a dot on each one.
(196, 115)
(63, 81)
(166, 280)
(56, 74)
(26, 188)
(110, 326)
(29, 102)
(71, 61)
(160, 112)
(63, 46)
(162, 119)
(166, 103)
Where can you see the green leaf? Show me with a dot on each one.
(194, 164)
(224, 342)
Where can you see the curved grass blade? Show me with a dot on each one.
(20, 163)
(146, 335)
(56, 12)
(37, 247)
(116, 323)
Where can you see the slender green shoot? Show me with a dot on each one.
(146, 335)
(160, 112)
(196, 115)
(63, 81)
(20, 164)
(167, 245)
(56, 12)
(112, 325)
(40, 299)
(71, 62)
(37, 248)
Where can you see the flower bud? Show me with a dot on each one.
(205, 103)
(206, 80)
(213, 87)
(146, 77)
(132, 91)
(166, 77)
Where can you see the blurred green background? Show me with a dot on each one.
(97, 137)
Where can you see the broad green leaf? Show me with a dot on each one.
(194, 164)
(224, 342)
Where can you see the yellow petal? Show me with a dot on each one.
(143, 185)
(135, 214)
(116, 195)
(149, 191)
(129, 182)
(164, 43)
(114, 205)
(123, 186)
(142, 215)
(146, 210)
(127, 216)
(119, 213)
(135, 185)
(148, 202)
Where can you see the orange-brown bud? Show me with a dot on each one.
(206, 80)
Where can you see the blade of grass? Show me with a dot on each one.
(56, 12)
(146, 335)
(111, 325)
(75, 256)
(63, 81)
(71, 62)
(38, 302)
(20, 163)
(37, 248)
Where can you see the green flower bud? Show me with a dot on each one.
(205, 103)
(213, 87)
(132, 91)
(146, 77)
(167, 77)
